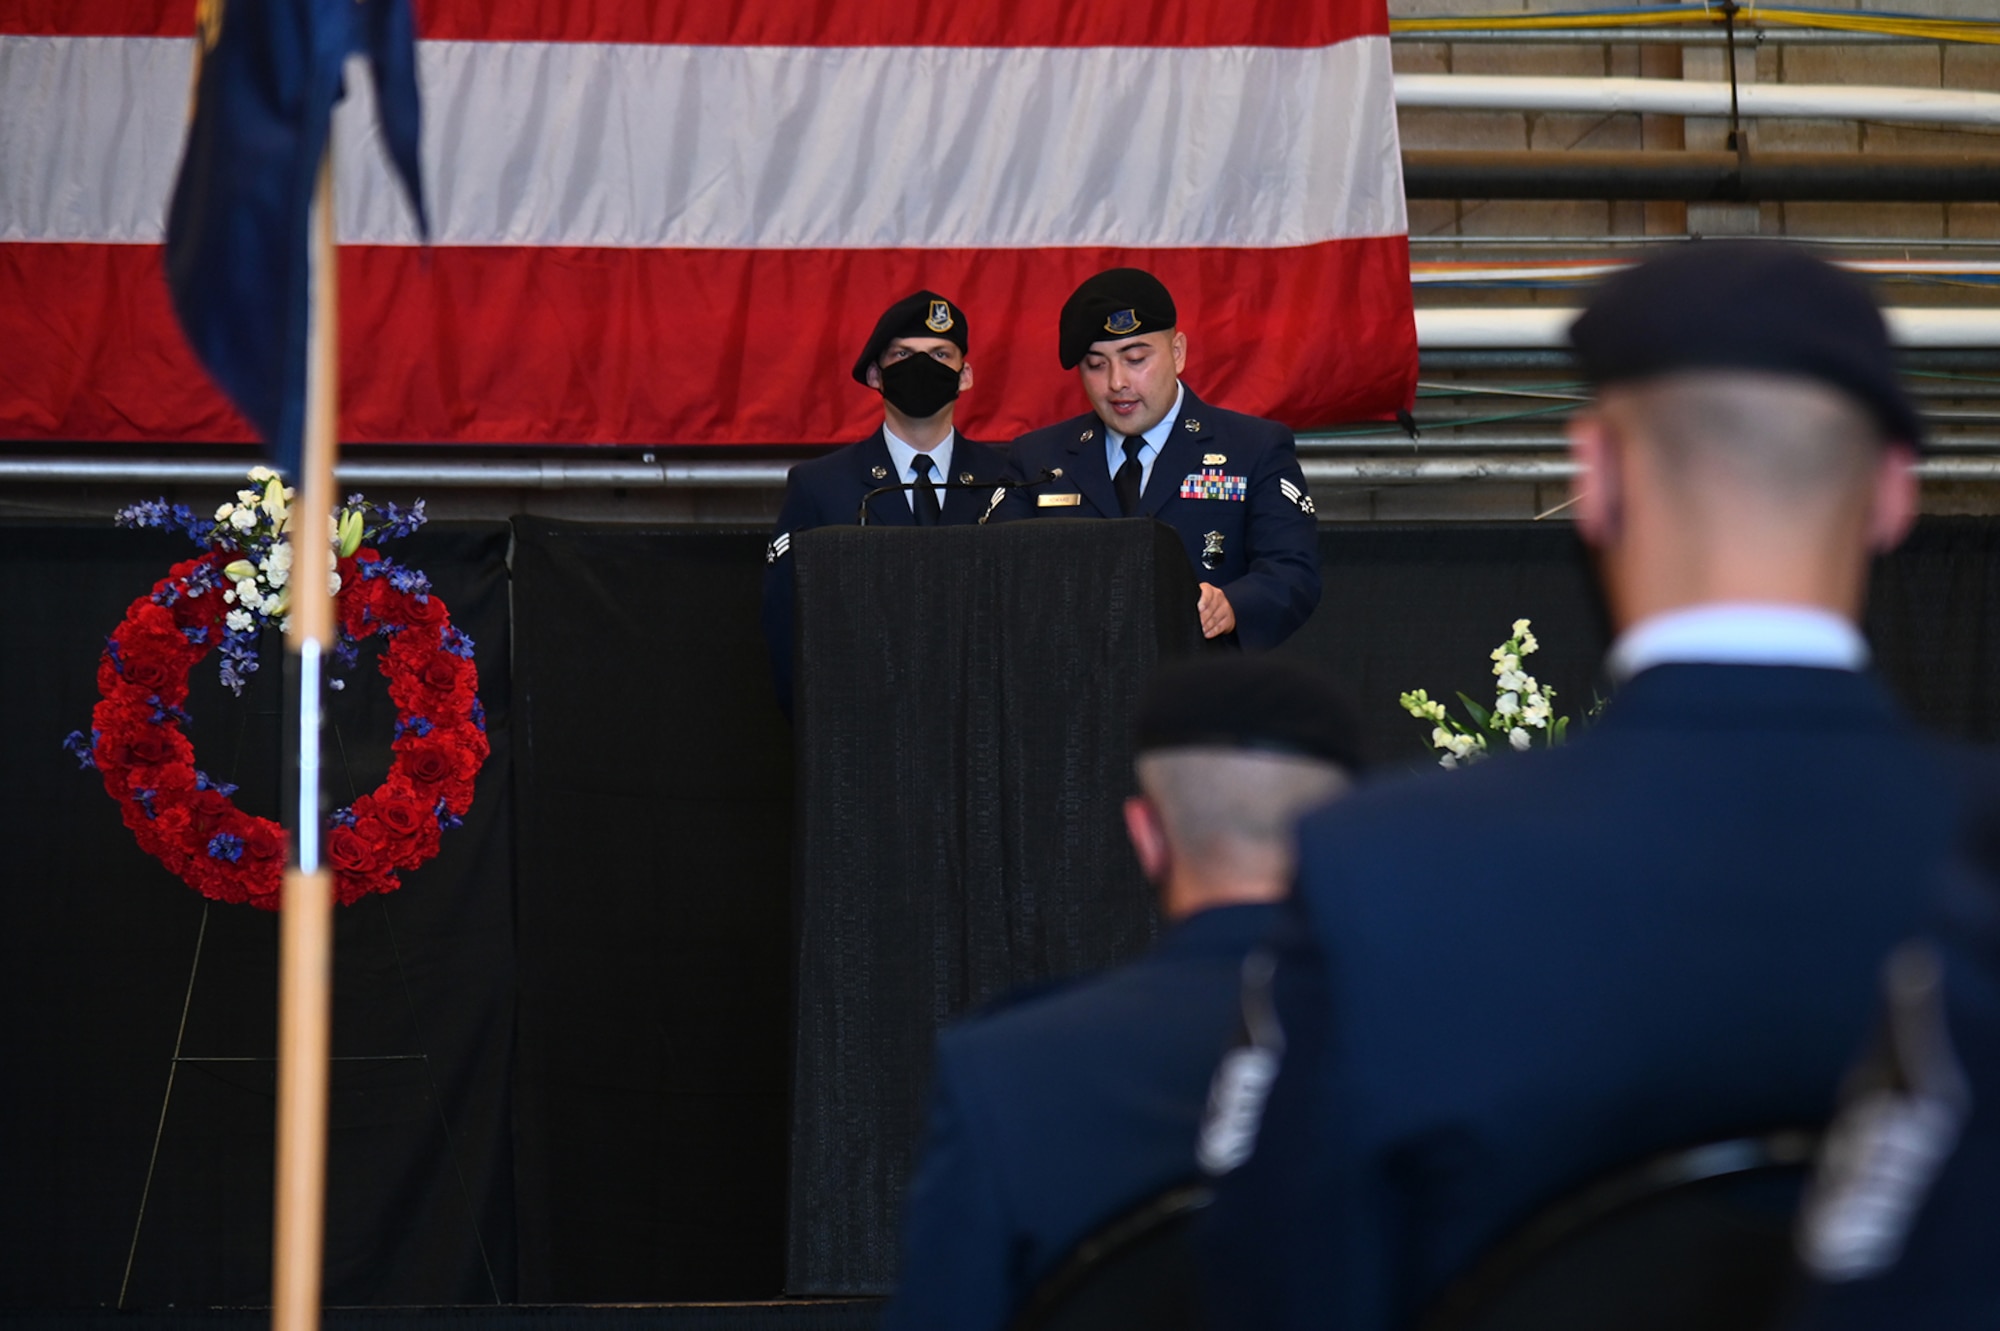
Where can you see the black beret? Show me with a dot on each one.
(1267, 704)
(1745, 305)
(1117, 303)
(922, 314)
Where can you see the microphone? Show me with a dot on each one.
(861, 512)
(1000, 492)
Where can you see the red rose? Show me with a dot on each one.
(349, 852)
(148, 674)
(150, 747)
(422, 612)
(408, 828)
(442, 672)
(262, 843)
(427, 763)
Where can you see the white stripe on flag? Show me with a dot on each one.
(544, 143)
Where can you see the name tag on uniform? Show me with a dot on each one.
(1058, 501)
(1207, 484)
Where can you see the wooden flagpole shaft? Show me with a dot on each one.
(305, 949)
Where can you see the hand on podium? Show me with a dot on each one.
(1217, 615)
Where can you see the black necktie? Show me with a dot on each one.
(1127, 481)
(926, 503)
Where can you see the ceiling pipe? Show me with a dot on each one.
(1676, 97)
(1746, 35)
(1697, 177)
(1410, 464)
(1517, 327)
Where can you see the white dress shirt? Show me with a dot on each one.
(1156, 439)
(905, 457)
(1739, 633)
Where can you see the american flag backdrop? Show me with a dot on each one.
(675, 221)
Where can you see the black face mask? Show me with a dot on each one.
(919, 386)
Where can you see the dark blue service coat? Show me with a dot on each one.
(827, 491)
(1249, 505)
(1050, 1118)
(1499, 984)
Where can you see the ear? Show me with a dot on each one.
(1598, 482)
(1893, 506)
(1180, 351)
(965, 376)
(1149, 837)
(874, 376)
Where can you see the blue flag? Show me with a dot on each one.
(239, 223)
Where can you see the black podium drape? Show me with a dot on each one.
(965, 704)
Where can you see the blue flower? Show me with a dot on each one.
(223, 846)
(203, 781)
(83, 749)
(402, 521)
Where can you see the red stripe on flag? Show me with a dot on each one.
(792, 23)
(97, 18)
(623, 346)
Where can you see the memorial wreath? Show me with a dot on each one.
(224, 599)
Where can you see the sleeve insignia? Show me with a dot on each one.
(777, 549)
(1296, 493)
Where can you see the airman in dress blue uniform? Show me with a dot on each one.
(1498, 986)
(1056, 1113)
(916, 359)
(1229, 484)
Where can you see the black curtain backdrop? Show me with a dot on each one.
(654, 890)
(629, 859)
(97, 943)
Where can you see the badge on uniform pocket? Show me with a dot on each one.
(1212, 483)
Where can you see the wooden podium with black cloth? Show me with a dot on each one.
(965, 700)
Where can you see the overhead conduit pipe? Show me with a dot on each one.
(1674, 97)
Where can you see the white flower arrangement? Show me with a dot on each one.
(255, 532)
(1523, 708)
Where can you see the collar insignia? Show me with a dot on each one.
(1087, 436)
(1193, 426)
(940, 317)
(879, 473)
(965, 478)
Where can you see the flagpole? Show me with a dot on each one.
(305, 950)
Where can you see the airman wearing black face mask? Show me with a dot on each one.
(916, 359)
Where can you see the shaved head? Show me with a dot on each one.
(1723, 485)
(1782, 438)
(1232, 814)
